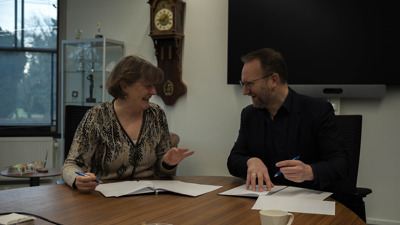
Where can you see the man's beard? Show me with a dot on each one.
(262, 99)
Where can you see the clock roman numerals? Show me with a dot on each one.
(163, 19)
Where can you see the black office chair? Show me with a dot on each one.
(346, 191)
(73, 116)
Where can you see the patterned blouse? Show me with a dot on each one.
(101, 146)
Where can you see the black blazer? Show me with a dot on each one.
(313, 135)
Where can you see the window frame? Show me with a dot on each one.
(52, 130)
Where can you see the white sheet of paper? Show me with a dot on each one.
(139, 187)
(296, 192)
(15, 218)
(184, 188)
(291, 204)
(241, 191)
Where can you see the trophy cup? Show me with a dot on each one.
(81, 61)
(90, 99)
(90, 78)
(79, 34)
(98, 35)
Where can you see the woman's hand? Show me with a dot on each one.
(176, 155)
(86, 184)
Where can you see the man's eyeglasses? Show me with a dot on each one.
(248, 84)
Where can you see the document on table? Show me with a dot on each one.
(242, 191)
(303, 193)
(292, 199)
(278, 190)
(122, 188)
(15, 218)
(293, 204)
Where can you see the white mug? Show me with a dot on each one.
(275, 217)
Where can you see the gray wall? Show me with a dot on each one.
(207, 117)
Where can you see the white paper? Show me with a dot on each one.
(184, 188)
(292, 204)
(124, 188)
(15, 218)
(296, 192)
(278, 190)
(118, 189)
(242, 191)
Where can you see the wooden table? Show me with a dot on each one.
(60, 203)
(34, 178)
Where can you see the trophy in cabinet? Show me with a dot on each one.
(98, 35)
(90, 99)
(79, 34)
(81, 61)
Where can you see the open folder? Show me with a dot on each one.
(122, 188)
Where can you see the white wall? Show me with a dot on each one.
(379, 169)
(207, 117)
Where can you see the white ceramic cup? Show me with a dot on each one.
(275, 217)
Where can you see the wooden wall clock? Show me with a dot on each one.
(166, 30)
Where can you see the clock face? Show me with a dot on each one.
(163, 19)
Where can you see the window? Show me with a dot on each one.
(28, 67)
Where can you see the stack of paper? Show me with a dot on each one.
(291, 199)
(294, 204)
(15, 218)
(242, 191)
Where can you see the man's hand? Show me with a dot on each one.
(257, 171)
(295, 170)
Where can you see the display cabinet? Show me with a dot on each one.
(85, 66)
(86, 63)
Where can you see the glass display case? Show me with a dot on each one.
(85, 66)
(86, 63)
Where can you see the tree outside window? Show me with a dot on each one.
(28, 67)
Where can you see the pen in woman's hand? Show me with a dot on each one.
(85, 175)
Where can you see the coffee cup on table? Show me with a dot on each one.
(275, 217)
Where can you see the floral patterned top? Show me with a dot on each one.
(101, 146)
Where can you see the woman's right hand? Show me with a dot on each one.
(176, 155)
(86, 184)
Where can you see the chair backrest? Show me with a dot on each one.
(351, 126)
(73, 116)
